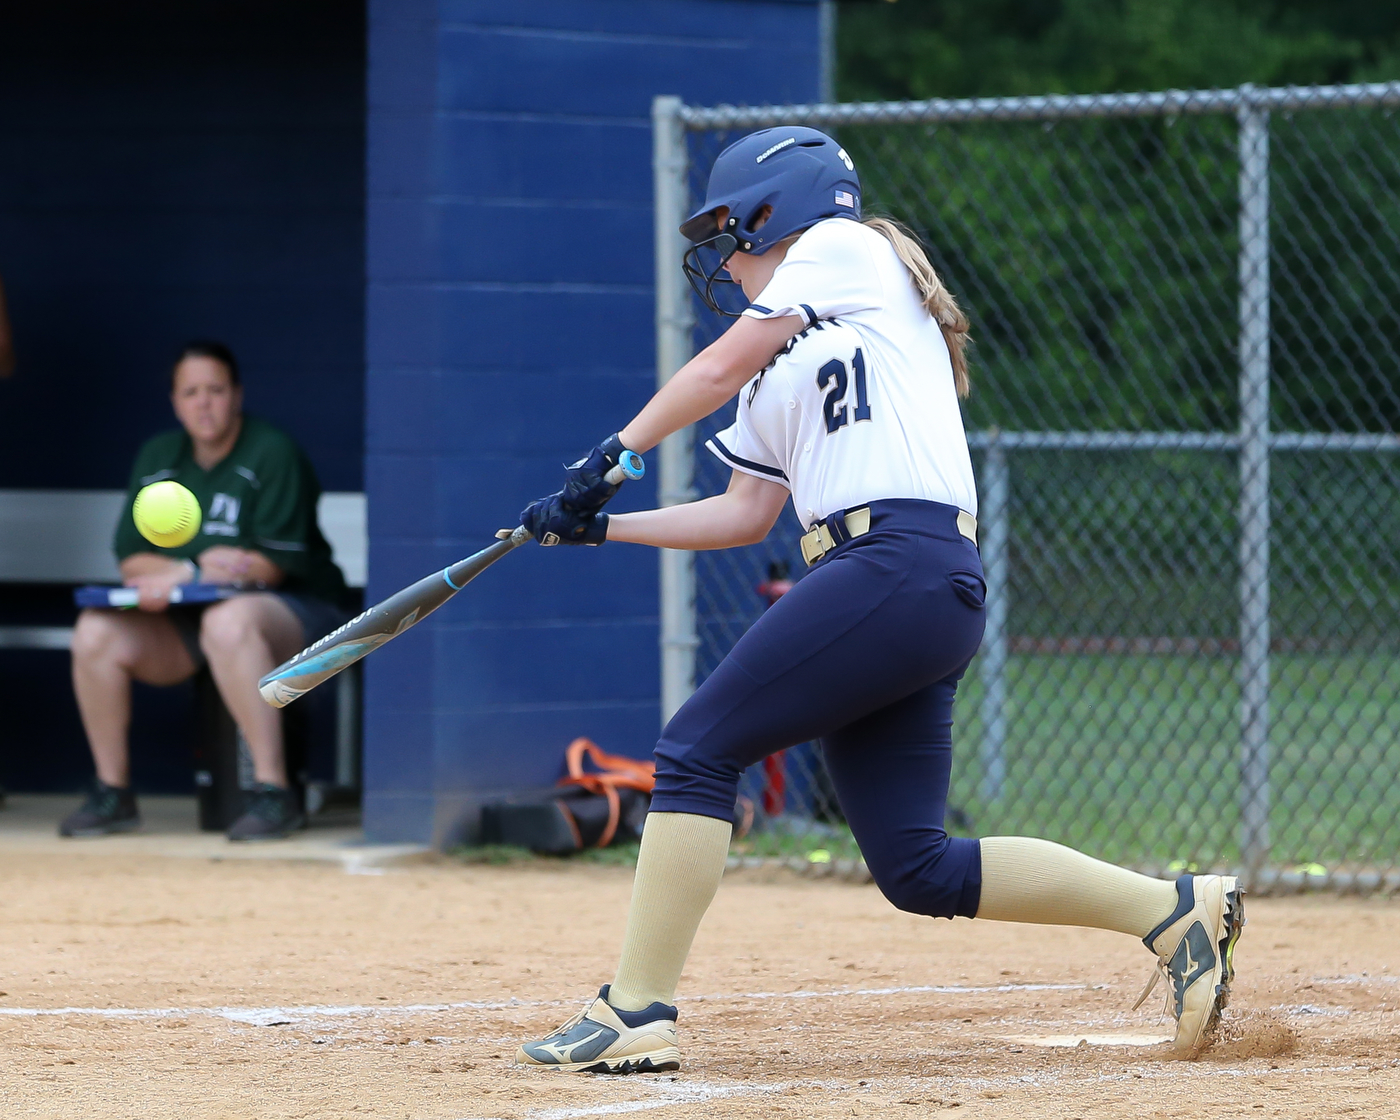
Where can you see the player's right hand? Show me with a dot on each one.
(154, 590)
(551, 521)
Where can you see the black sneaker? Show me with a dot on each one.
(107, 809)
(272, 814)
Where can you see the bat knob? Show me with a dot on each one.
(632, 465)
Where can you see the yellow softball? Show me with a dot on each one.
(166, 514)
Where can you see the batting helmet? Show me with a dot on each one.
(802, 174)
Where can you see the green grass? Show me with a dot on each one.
(1136, 759)
(823, 849)
(501, 855)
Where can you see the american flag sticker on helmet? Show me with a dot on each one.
(845, 198)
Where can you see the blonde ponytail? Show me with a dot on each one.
(938, 301)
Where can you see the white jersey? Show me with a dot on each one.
(861, 405)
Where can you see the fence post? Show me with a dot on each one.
(826, 46)
(674, 332)
(994, 533)
(1254, 485)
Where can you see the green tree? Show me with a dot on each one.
(967, 48)
(1098, 258)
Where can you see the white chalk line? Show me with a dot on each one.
(1361, 980)
(286, 1016)
(694, 1093)
(703, 1092)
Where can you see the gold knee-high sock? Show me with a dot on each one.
(1026, 880)
(678, 871)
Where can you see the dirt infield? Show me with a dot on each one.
(141, 986)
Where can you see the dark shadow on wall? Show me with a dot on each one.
(174, 169)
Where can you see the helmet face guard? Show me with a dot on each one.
(703, 264)
(790, 176)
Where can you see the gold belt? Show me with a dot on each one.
(821, 540)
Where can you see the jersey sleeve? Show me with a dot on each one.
(828, 272)
(740, 447)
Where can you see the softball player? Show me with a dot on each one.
(848, 362)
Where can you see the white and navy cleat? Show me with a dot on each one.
(1195, 950)
(603, 1039)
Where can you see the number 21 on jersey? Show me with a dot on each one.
(833, 407)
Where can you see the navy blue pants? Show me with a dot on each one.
(865, 654)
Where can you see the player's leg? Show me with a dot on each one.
(836, 646)
(110, 650)
(1192, 925)
(851, 637)
(891, 771)
(245, 638)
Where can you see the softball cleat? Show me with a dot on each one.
(603, 1039)
(1195, 950)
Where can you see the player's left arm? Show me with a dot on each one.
(709, 379)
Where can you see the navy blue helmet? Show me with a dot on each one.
(802, 174)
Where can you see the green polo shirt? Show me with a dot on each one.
(262, 495)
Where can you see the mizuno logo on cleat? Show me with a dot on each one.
(566, 1053)
(584, 1042)
(1194, 957)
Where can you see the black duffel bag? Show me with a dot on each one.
(587, 810)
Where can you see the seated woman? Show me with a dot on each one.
(258, 493)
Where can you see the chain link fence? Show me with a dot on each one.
(1186, 314)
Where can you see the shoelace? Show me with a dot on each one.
(1158, 971)
(570, 1024)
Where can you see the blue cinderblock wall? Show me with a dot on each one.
(171, 170)
(168, 169)
(508, 327)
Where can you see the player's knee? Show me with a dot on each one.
(932, 882)
(904, 893)
(98, 636)
(682, 761)
(690, 780)
(670, 761)
(227, 628)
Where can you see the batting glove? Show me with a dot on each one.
(585, 488)
(551, 521)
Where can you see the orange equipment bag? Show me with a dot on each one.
(614, 772)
